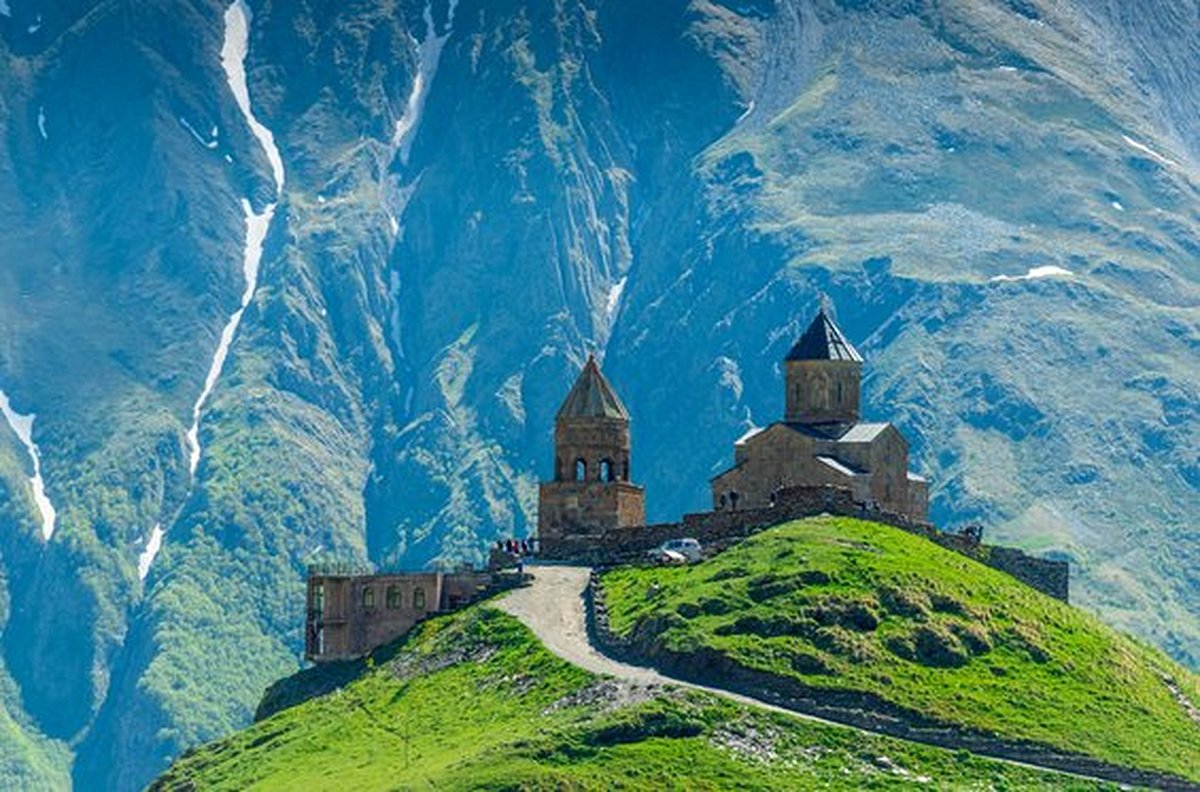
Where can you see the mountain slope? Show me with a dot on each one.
(477, 191)
(833, 609)
(474, 701)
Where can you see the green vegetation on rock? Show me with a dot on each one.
(839, 604)
(473, 701)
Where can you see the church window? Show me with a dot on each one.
(625, 470)
(368, 597)
(318, 603)
(606, 474)
(733, 500)
(724, 500)
(580, 470)
(419, 598)
(395, 599)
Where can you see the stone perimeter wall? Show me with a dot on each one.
(720, 529)
(859, 710)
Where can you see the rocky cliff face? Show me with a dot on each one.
(1000, 197)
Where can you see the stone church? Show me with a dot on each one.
(591, 492)
(822, 439)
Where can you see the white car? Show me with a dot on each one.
(676, 551)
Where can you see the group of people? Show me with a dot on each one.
(519, 549)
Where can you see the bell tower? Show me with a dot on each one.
(824, 376)
(591, 491)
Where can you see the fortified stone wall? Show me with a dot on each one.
(720, 529)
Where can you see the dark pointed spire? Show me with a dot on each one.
(824, 341)
(592, 396)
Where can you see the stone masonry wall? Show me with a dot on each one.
(720, 529)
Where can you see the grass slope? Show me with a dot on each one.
(843, 604)
(474, 701)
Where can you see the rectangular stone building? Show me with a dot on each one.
(349, 615)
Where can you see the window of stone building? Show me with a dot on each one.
(839, 393)
(558, 468)
(318, 603)
(625, 470)
(580, 470)
(733, 500)
(419, 598)
(606, 473)
(724, 500)
(394, 598)
(368, 597)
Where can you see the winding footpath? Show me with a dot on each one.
(554, 608)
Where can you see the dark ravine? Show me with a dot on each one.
(861, 710)
(388, 393)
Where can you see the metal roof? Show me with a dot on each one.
(863, 432)
(841, 467)
(824, 341)
(592, 396)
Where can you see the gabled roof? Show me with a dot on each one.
(824, 341)
(592, 396)
(860, 432)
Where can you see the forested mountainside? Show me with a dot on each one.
(430, 212)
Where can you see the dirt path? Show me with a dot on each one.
(555, 610)
(553, 607)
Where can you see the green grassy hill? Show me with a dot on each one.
(836, 604)
(473, 701)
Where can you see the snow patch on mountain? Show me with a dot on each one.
(746, 113)
(429, 55)
(22, 426)
(41, 121)
(210, 142)
(1149, 152)
(153, 545)
(257, 225)
(613, 303)
(233, 61)
(1037, 273)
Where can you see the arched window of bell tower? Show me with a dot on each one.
(580, 470)
(606, 470)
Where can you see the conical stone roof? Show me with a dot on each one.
(824, 341)
(592, 396)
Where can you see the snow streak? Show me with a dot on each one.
(153, 545)
(233, 60)
(22, 426)
(429, 55)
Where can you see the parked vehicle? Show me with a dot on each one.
(668, 557)
(685, 550)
